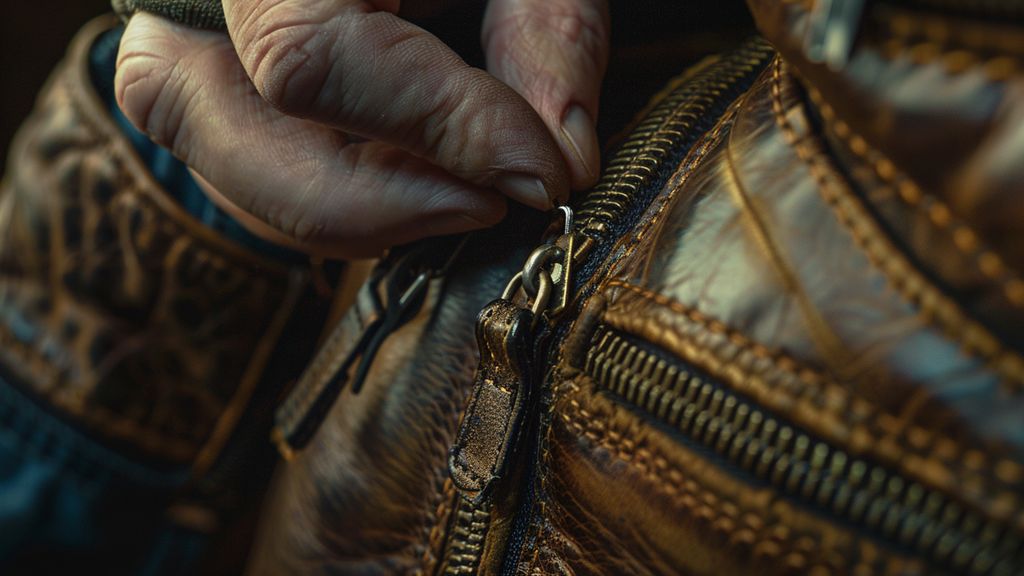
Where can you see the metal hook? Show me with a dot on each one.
(568, 217)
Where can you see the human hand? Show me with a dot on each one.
(336, 127)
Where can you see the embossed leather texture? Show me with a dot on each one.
(141, 352)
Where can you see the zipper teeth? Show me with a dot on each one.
(859, 492)
(467, 540)
(638, 160)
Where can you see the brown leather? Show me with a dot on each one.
(839, 249)
(370, 494)
(757, 271)
(931, 106)
(120, 309)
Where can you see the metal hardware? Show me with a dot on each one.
(547, 274)
(584, 239)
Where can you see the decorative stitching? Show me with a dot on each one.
(971, 336)
(926, 40)
(819, 385)
(965, 239)
(954, 60)
(435, 538)
(764, 539)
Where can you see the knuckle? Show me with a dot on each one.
(151, 92)
(284, 51)
(538, 34)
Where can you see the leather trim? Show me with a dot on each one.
(112, 259)
(736, 522)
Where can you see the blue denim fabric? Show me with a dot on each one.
(71, 505)
(67, 502)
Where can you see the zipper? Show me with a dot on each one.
(852, 490)
(506, 390)
(469, 528)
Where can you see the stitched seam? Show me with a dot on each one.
(954, 60)
(435, 537)
(451, 496)
(965, 239)
(973, 339)
(816, 385)
(907, 26)
(958, 55)
(723, 514)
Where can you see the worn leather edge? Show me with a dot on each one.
(73, 75)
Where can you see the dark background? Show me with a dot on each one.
(652, 41)
(33, 37)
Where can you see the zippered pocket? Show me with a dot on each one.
(766, 450)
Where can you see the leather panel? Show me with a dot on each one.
(370, 494)
(759, 241)
(624, 497)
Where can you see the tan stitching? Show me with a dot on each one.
(952, 38)
(816, 386)
(971, 336)
(741, 527)
(965, 239)
(435, 537)
(954, 60)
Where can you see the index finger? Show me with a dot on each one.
(349, 65)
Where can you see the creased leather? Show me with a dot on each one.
(370, 494)
(939, 98)
(766, 267)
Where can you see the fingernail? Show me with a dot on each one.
(580, 136)
(526, 189)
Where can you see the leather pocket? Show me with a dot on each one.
(653, 466)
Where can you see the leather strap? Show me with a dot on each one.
(203, 14)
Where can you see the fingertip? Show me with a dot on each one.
(577, 138)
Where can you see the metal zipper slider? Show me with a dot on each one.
(506, 336)
(831, 30)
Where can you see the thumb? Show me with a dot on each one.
(554, 53)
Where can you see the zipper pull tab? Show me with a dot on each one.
(831, 30)
(506, 335)
(405, 283)
(491, 423)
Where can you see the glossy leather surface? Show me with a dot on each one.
(816, 275)
(840, 249)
